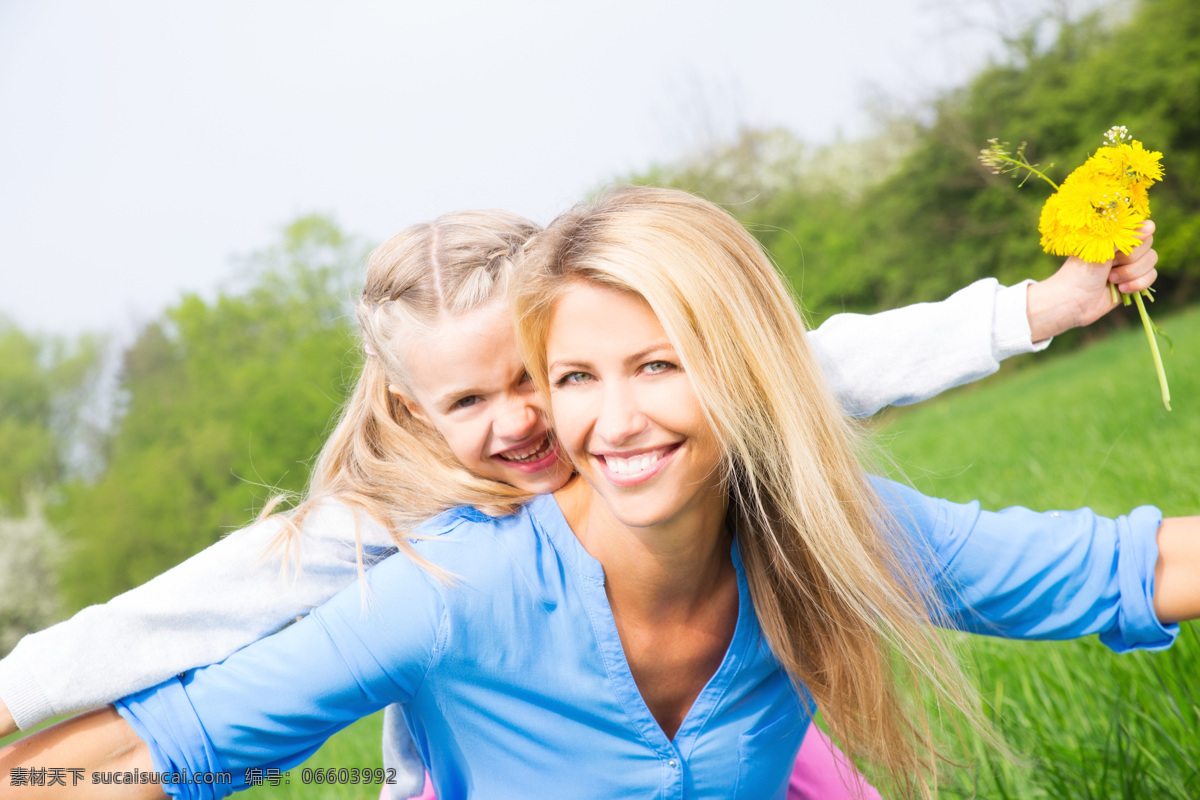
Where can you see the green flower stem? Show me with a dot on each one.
(1158, 365)
(1023, 164)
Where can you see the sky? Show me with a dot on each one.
(146, 145)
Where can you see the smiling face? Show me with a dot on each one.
(626, 413)
(467, 381)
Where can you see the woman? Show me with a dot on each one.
(688, 591)
(393, 466)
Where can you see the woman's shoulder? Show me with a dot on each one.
(476, 549)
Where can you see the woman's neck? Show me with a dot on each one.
(673, 592)
(655, 571)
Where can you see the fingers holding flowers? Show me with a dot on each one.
(1135, 271)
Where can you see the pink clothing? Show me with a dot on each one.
(822, 772)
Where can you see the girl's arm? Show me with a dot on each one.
(199, 612)
(910, 354)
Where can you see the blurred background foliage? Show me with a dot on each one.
(221, 404)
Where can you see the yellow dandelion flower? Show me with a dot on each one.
(1089, 216)
(1132, 164)
(1098, 209)
(1141, 166)
(1139, 200)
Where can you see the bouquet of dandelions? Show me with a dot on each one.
(1097, 210)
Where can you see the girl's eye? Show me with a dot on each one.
(465, 402)
(656, 367)
(572, 378)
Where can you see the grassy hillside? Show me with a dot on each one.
(1084, 429)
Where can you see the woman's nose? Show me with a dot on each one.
(620, 418)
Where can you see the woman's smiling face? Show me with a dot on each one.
(626, 413)
(467, 380)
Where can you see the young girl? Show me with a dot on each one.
(585, 642)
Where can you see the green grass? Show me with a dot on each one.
(1084, 429)
(356, 746)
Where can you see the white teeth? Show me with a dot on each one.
(633, 465)
(531, 453)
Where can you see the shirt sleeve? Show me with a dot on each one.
(270, 705)
(197, 613)
(912, 353)
(1023, 574)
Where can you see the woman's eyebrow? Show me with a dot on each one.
(567, 364)
(658, 348)
(664, 348)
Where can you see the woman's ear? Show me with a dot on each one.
(410, 404)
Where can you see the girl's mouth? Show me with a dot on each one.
(533, 457)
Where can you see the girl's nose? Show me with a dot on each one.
(518, 419)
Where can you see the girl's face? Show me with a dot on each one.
(468, 382)
(626, 413)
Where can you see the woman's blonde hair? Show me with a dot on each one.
(379, 458)
(835, 599)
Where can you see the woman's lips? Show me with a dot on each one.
(635, 468)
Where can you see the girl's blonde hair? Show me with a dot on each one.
(833, 596)
(379, 458)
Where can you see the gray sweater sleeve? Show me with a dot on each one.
(233, 593)
(912, 353)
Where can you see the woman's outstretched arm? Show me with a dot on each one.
(1177, 573)
(79, 757)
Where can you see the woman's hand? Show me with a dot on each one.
(1078, 293)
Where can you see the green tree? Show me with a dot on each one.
(223, 403)
(912, 215)
(45, 385)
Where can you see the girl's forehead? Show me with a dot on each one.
(476, 346)
(490, 321)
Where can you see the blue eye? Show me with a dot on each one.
(572, 377)
(465, 402)
(656, 367)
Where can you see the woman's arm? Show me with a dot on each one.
(910, 354)
(263, 707)
(91, 744)
(1023, 574)
(1177, 571)
(199, 612)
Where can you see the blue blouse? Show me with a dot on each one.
(514, 682)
